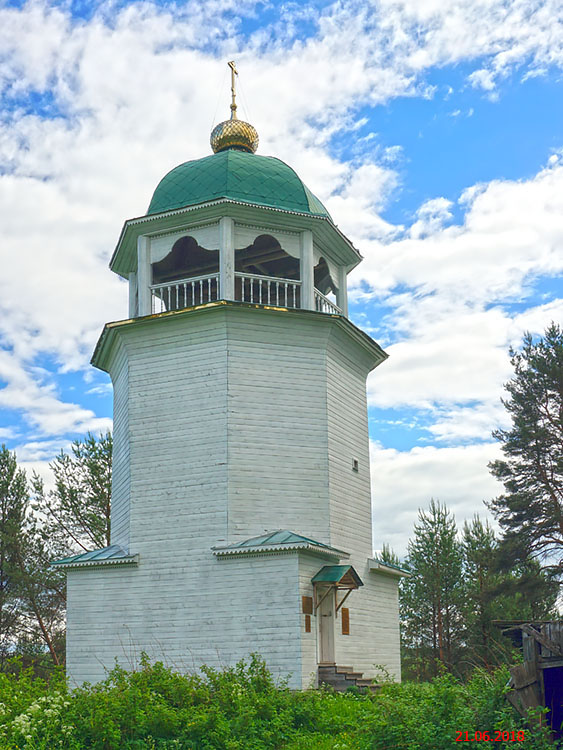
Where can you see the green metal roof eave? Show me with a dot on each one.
(258, 204)
(108, 336)
(132, 560)
(112, 555)
(281, 540)
(124, 258)
(270, 549)
(278, 536)
(315, 204)
(378, 566)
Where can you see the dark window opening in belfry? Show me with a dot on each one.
(323, 280)
(187, 276)
(185, 260)
(266, 257)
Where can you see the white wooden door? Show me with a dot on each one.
(325, 618)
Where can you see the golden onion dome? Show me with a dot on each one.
(234, 133)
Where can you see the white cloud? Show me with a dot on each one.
(512, 232)
(450, 322)
(431, 217)
(36, 453)
(536, 319)
(8, 433)
(363, 192)
(483, 79)
(447, 356)
(102, 389)
(404, 481)
(469, 423)
(39, 401)
(452, 364)
(505, 34)
(132, 93)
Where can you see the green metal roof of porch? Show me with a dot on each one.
(336, 573)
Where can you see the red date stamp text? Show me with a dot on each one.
(498, 735)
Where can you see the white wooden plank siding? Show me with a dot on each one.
(308, 566)
(181, 602)
(168, 614)
(121, 476)
(374, 617)
(277, 454)
(228, 422)
(348, 440)
(177, 418)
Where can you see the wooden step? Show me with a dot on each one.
(342, 678)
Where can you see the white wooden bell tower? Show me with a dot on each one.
(241, 508)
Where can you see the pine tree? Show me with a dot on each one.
(13, 504)
(496, 594)
(530, 511)
(482, 580)
(432, 598)
(387, 555)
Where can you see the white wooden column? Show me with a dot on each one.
(226, 258)
(133, 310)
(342, 291)
(307, 274)
(144, 275)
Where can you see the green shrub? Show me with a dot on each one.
(242, 708)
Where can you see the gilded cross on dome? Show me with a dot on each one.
(234, 72)
(234, 133)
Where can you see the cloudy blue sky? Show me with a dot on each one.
(432, 130)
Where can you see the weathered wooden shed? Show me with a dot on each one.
(538, 681)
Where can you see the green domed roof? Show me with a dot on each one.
(241, 176)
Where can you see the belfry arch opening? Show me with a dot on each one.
(187, 276)
(261, 273)
(323, 280)
(185, 260)
(266, 258)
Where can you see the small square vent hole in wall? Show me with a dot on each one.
(355, 464)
